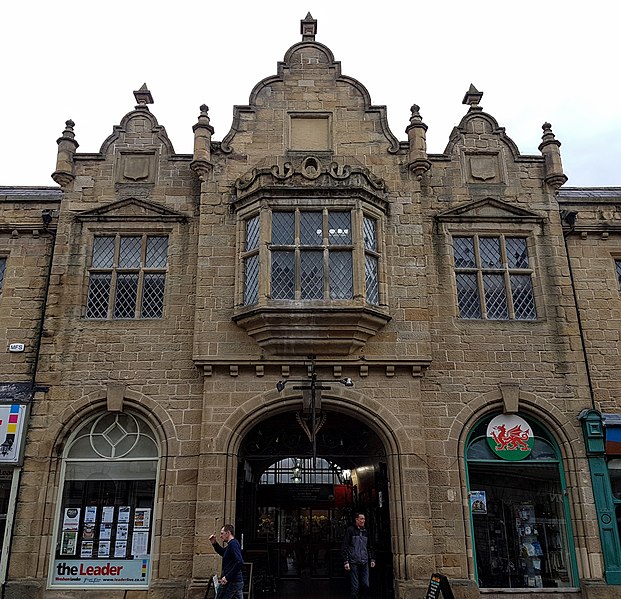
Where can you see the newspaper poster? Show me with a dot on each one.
(140, 544)
(120, 548)
(105, 531)
(122, 532)
(71, 519)
(107, 514)
(478, 502)
(69, 542)
(90, 514)
(104, 549)
(86, 549)
(142, 518)
(124, 512)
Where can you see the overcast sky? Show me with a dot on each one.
(535, 61)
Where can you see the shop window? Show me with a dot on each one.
(2, 271)
(127, 277)
(494, 278)
(105, 522)
(520, 523)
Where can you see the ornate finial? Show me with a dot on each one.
(417, 156)
(548, 135)
(415, 118)
(201, 164)
(68, 132)
(550, 149)
(308, 28)
(473, 97)
(143, 97)
(67, 145)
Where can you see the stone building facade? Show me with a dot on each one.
(307, 318)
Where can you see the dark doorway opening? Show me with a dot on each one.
(293, 508)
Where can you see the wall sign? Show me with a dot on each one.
(127, 573)
(12, 421)
(510, 437)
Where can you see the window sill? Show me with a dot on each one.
(297, 329)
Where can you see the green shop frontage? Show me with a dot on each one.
(521, 527)
(602, 435)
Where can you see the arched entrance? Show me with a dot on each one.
(293, 508)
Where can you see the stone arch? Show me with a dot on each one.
(385, 424)
(377, 417)
(153, 413)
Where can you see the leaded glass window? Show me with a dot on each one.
(2, 270)
(494, 278)
(311, 255)
(127, 277)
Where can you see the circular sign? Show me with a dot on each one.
(510, 437)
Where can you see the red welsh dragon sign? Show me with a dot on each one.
(510, 437)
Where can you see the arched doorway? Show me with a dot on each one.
(293, 508)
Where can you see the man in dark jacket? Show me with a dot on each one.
(357, 553)
(232, 580)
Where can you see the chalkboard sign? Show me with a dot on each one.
(438, 583)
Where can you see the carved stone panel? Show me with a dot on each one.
(135, 167)
(483, 168)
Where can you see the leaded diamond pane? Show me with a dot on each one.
(157, 250)
(311, 228)
(311, 275)
(103, 252)
(489, 248)
(283, 228)
(341, 275)
(98, 296)
(523, 300)
(517, 252)
(283, 283)
(2, 269)
(618, 267)
(153, 295)
(463, 250)
(126, 294)
(369, 230)
(468, 296)
(252, 233)
(339, 228)
(495, 297)
(251, 278)
(370, 273)
(129, 256)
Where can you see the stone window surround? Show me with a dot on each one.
(526, 230)
(358, 213)
(117, 231)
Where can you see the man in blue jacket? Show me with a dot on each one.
(357, 554)
(232, 580)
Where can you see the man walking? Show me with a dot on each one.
(357, 553)
(232, 580)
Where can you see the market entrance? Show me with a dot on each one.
(293, 508)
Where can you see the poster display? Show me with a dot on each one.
(112, 543)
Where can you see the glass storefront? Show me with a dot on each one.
(519, 515)
(105, 522)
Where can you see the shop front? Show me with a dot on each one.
(13, 419)
(104, 523)
(518, 504)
